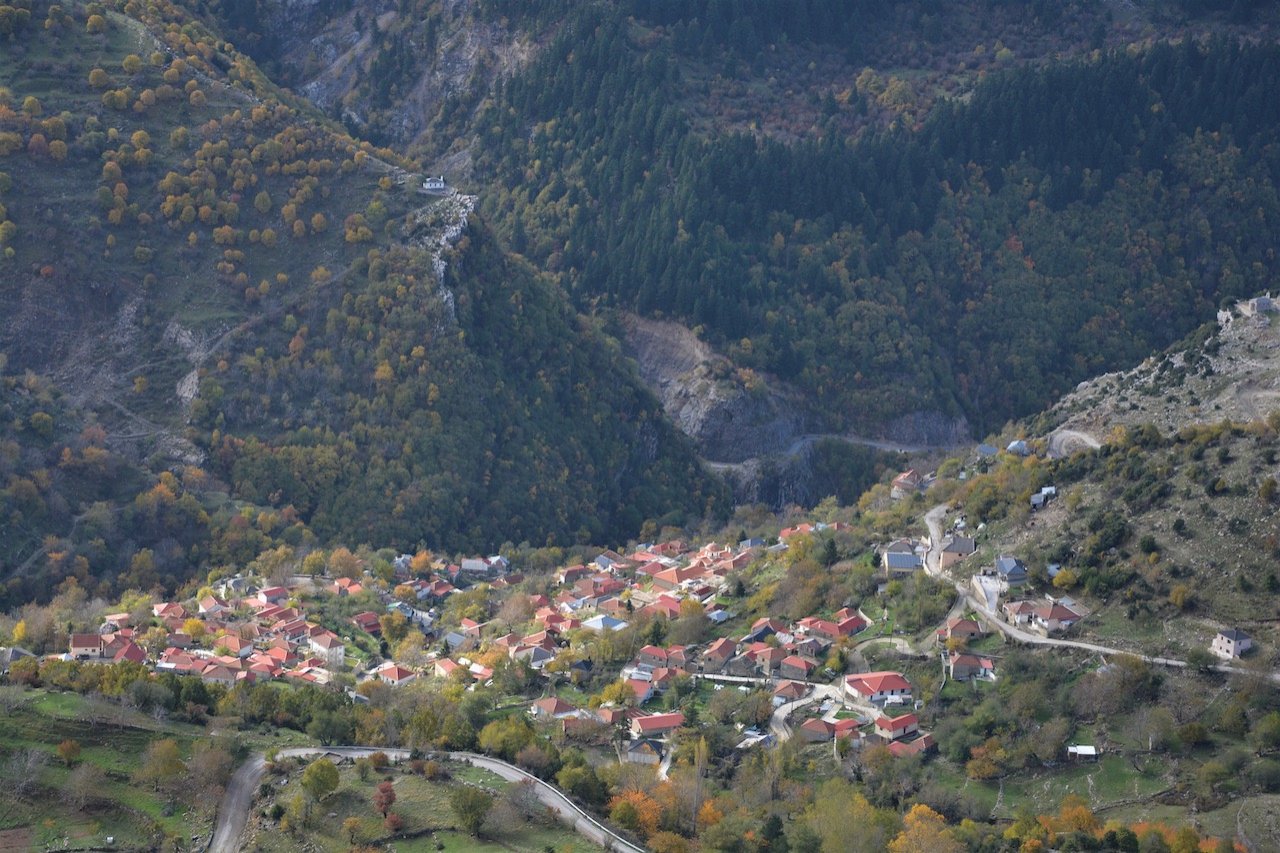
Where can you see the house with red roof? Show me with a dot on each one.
(917, 746)
(799, 530)
(878, 687)
(718, 654)
(1053, 617)
(818, 730)
(273, 595)
(445, 667)
(896, 728)
(959, 628)
(234, 645)
(850, 621)
(130, 652)
(906, 484)
(965, 667)
(796, 667)
(790, 691)
(664, 606)
(86, 646)
(347, 586)
(394, 674)
(169, 610)
(211, 605)
(367, 622)
(641, 689)
(329, 646)
(823, 628)
(552, 708)
(656, 725)
(1018, 612)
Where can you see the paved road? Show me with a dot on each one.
(234, 809)
(933, 520)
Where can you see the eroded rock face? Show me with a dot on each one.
(731, 416)
(326, 57)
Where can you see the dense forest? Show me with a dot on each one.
(511, 421)
(1058, 222)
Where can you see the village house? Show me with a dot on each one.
(367, 622)
(212, 606)
(1231, 643)
(850, 621)
(1011, 570)
(916, 746)
(641, 689)
(394, 674)
(958, 627)
(552, 708)
(818, 730)
(718, 654)
(656, 725)
(86, 646)
(445, 667)
(824, 628)
(1053, 617)
(643, 751)
(765, 627)
(878, 687)
(902, 557)
(896, 728)
(273, 595)
(962, 666)
(906, 484)
(1019, 612)
(796, 668)
(1041, 498)
(790, 691)
(955, 549)
(799, 530)
(328, 646)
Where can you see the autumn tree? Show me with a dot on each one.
(384, 797)
(924, 829)
(471, 806)
(320, 779)
(161, 764)
(637, 811)
(69, 751)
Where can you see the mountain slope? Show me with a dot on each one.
(213, 275)
(925, 231)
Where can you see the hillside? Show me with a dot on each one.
(203, 276)
(1167, 532)
(925, 225)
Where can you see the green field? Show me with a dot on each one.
(423, 804)
(112, 739)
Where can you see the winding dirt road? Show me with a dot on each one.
(233, 812)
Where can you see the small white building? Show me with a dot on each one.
(1231, 643)
(435, 184)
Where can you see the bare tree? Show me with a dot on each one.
(19, 775)
(85, 785)
(12, 697)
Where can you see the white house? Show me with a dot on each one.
(1231, 643)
